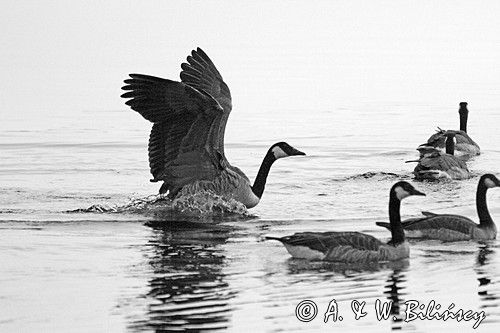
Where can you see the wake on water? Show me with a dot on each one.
(200, 205)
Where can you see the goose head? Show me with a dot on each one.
(283, 149)
(403, 189)
(490, 180)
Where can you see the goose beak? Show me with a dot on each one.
(295, 152)
(411, 161)
(417, 192)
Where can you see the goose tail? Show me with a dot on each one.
(384, 225)
(274, 238)
(429, 214)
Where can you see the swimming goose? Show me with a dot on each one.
(465, 145)
(186, 144)
(450, 227)
(355, 246)
(434, 164)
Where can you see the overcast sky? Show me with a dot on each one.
(58, 56)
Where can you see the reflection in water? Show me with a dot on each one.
(188, 290)
(394, 290)
(359, 275)
(328, 268)
(487, 298)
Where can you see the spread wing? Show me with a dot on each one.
(200, 72)
(184, 138)
(325, 241)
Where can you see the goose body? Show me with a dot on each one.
(186, 144)
(348, 247)
(449, 227)
(434, 164)
(232, 183)
(465, 146)
(355, 247)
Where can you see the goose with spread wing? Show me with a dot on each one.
(449, 227)
(186, 144)
(355, 247)
(465, 145)
(433, 164)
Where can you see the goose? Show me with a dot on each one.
(433, 164)
(186, 143)
(355, 247)
(450, 227)
(465, 145)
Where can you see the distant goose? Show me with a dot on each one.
(434, 164)
(186, 144)
(450, 227)
(354, 247)
(465, 145)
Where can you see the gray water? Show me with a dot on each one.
(357, 86)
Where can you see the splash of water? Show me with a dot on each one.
(202, 204)
(375, 175)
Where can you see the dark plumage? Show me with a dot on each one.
(434, 164)
(451, 227)
(324, 241)
(186, 143)
(464, 144)
(355, 246)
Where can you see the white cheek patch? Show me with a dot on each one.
(489, 183)
(279, 153)
(401, 193)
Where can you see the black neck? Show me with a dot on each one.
(464, 113)
(485, 219)
(450, 145)
(398, 235)
(260, 180)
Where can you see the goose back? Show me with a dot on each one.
(446, 227)
(451, 166)
(442, 226)
(464, 143)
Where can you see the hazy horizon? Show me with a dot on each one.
(59, 56)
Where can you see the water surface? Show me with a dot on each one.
(356, 97)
